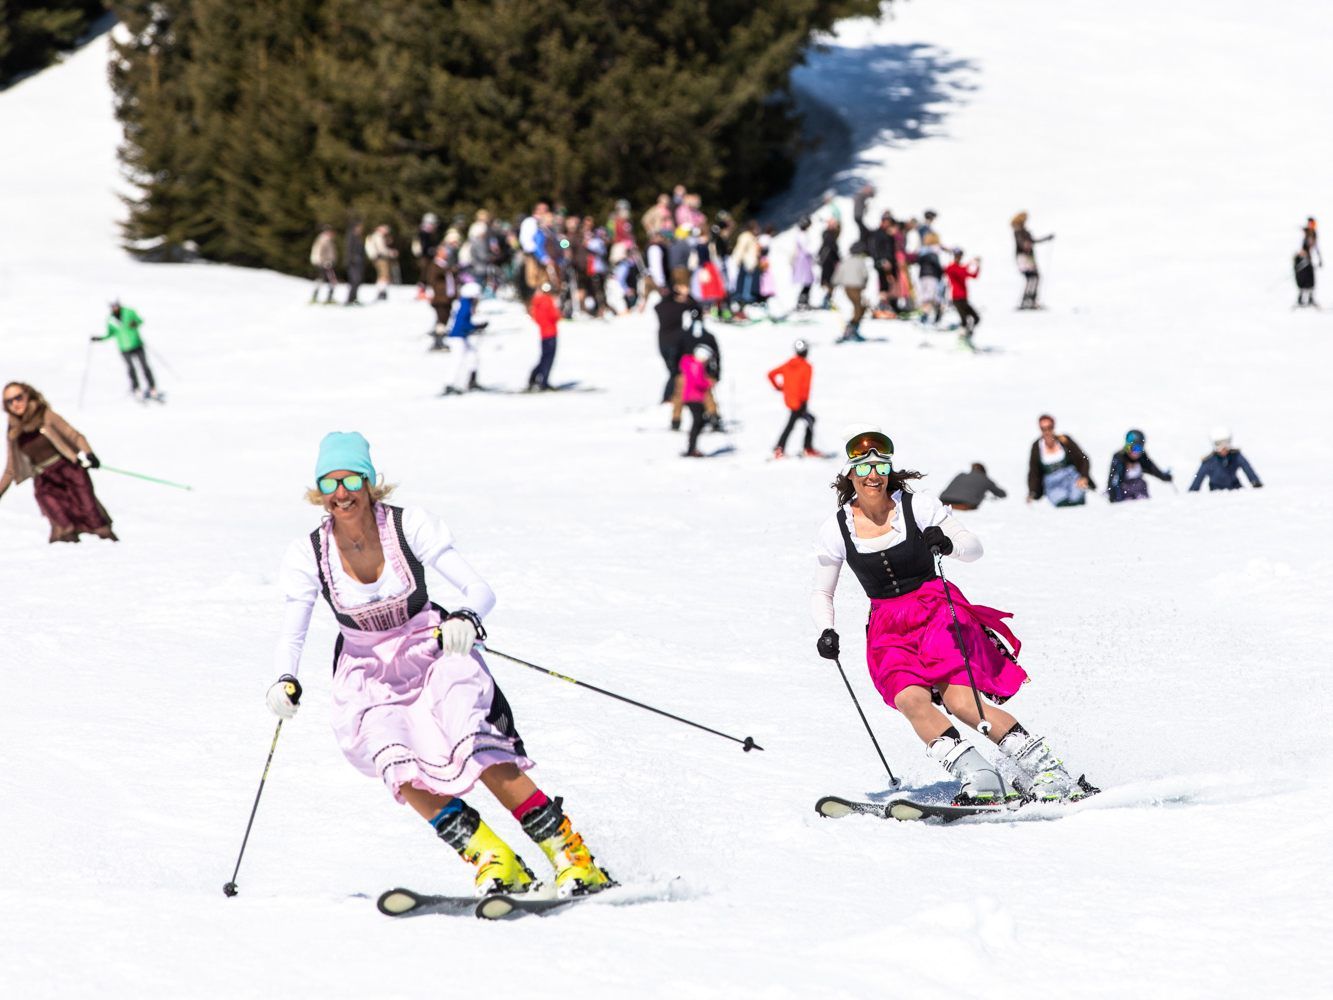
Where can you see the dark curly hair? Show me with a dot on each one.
(897, 480)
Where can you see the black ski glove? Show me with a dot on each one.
(88, 460)
(828, 644)
(935, 538)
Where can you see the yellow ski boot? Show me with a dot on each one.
(576, 872)
(499, 869)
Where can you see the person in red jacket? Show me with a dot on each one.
(958, 273)
(546, 314)
(792, 378)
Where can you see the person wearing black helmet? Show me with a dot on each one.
(1128, 467)
(792, 379)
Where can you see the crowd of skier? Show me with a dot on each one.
(432, 735)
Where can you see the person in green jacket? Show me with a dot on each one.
(123, 324)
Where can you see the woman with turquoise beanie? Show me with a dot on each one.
(413, 701)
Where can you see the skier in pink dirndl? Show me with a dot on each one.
(885, 532)
(413, 701)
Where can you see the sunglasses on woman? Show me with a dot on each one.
(328, 485)
(881, 468)
(11, 400)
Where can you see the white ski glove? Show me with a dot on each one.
(460, 632)
(284, 696)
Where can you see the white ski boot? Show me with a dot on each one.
(981, 782)
(1041, 775)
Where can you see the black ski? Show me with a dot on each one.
(902, 809)
(406, 903)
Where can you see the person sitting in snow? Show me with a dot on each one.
(1223, 466)
(1128, 467)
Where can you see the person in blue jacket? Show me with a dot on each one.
(464, 326)
(1223, 466)
(1128, 467)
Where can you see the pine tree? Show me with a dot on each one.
(249, 124)
(32, 33)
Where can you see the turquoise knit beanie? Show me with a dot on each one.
(344, 450)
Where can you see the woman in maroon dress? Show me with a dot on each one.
(43, 447)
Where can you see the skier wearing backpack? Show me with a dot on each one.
(792, 379)
(887, 534)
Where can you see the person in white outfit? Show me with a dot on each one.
(413, 701)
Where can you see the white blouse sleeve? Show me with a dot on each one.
(830, 553)
(431, 541)
(928, 510)
(298, 579)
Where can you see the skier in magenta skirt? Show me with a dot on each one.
(886, 533)
(413, 702)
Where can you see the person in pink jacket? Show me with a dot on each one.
(694, 386)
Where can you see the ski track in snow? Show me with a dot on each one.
(1174, 646)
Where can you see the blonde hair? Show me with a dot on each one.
(1019, 219)
(378, 492)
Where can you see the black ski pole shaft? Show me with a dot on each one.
(983, 726)
(747, 744)
(230, 888)
(866, 722)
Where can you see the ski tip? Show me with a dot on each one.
(494, 907)
(831, 807)
(396, 902)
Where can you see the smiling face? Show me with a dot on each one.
(874, 484)
(1047, 427)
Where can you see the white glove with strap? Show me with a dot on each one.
(460, 632)
(284, 697)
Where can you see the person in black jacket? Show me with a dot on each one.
(967, 489)
(1128, 467)
(1058, 468)
(1303, 267)
(356, 260)
(828, 257)
(671, 311)
(1222, 467)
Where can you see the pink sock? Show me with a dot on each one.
(534, 801)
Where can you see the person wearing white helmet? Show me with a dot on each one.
(792, 379)
(889, 535)
(1223, 465)
(695, 384)
(460, 333)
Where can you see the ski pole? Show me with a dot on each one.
(747, 744)
(87, 363)
(983, 727)
(161, 361)
(866, 722)
(230, 888)
(140, 475)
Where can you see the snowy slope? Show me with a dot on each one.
(1174, 646)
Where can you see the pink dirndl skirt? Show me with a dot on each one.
(406, 714)
(910, 641)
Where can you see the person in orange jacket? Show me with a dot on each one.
(792, 378)
(546, 314)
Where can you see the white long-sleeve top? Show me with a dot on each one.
(831, 553)
(431, 542)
